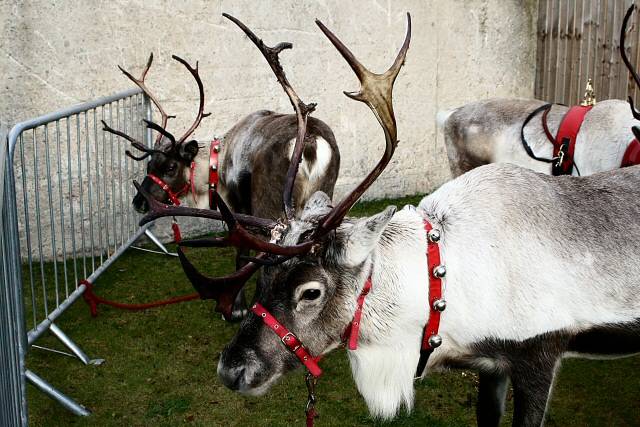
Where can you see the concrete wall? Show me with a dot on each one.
(57, 53)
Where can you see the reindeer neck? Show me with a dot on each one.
(394, 315)
(200, 176)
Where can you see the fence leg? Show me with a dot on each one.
(73, 347)
(158, 243)
(57, 395)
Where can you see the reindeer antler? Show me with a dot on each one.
(376, 92)
(302, 110)
(161, 128)
(142, 85)
(201, 114)
(632, 71)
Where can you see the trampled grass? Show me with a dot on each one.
(160, 367)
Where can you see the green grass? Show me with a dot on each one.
(160, 367)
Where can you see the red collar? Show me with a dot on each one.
(430, 337)
(430, 340)
(214, 177)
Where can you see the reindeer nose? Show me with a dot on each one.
(233, 377)
(140, 204)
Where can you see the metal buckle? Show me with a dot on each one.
(284, 341)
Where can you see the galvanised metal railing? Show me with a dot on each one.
(67, 216)
(13, 343)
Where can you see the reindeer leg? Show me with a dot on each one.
(532, 383)
(492, 393)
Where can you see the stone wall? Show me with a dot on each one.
(57, 53)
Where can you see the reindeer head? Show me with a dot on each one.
(313, 263)
(170, 157)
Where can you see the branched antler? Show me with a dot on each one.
(161, 128)
(201, 114)
(142, 85)
(632, 71)
(302, 110)
(376, 92)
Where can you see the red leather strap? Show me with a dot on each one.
(435, 290)
(568, 130)
(352, 332)
(288, 339)
(192, 182)
(214, 176)
(631, 155)
(173, 196)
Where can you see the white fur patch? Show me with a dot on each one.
(384, 374)
(316, 170)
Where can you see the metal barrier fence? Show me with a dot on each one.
(13, 403)
(67, 216)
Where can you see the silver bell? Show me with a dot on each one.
(216, 148)
(212, 186)
(214, 167)
(435, 341)
(439, 304)
(433, 235)
(439, 271)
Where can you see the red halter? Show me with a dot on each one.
(430, 341)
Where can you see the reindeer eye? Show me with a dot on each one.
(171, 168)
(311, 294)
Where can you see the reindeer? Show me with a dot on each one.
(503, 270)
(508, 130)
(247, 166)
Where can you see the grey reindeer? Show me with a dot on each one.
(495, 130)
(533, 268)
(247, 166)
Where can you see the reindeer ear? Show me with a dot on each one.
(363, 236)
(189, 150)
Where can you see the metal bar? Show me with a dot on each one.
(34, 334)
(71, 210)
(12, 335)
(57, 395)
(106, 195)
(61, 199)
(62, 114)
(80, 185)
(71, 345)
(27, 230)
(36, 191)
(98, 195)
(54, 248)
(89, 190)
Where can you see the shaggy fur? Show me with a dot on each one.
(537, 267)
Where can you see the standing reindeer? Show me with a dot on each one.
(523, 287)
(588, 138)
(489, 131)
(247, 166)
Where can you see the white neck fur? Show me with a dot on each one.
(394, 315)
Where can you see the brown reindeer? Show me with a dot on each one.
(249, 164)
